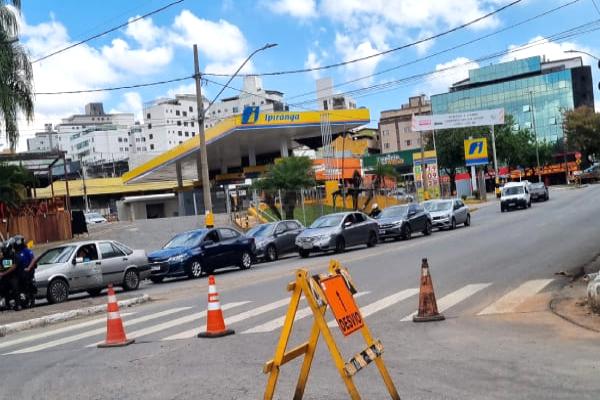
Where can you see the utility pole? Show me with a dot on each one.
(537, 150)
(201, 134)
(496, 179)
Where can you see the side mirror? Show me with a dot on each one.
(77, 260)
(347, 224)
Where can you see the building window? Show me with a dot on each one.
(179, 133)
(185, 124)
(143, 139)
(187, 134)
(148, 116)
(176, 112)
(184, 113)
(151, 147)
(526, 108)
(149, 126)
(552, 121)
(178, 123)
(235, 110)
(120, 140)
(180, 142)
(191, 109)
(325, 106)
(150, 136)
(192, 124)
(193, 134)
(406, 129)
(408, 142)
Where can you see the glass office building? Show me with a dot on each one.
(529, 90)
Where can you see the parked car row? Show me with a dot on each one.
(89, 266)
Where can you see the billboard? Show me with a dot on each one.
(458, 120)
(476, 151)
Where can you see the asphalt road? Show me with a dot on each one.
(493, 281)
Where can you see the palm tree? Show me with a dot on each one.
(13, 181)
(380, 172)
(16, 74)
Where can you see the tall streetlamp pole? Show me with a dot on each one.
(200, 120)
(537, 150)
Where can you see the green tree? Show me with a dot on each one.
(287, 175)
(380, 172)
(13, 184)
(16, 74)
(582, 129)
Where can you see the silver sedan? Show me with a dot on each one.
(89, 266)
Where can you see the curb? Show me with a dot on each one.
(66, 316)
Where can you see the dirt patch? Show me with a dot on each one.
(571, 304)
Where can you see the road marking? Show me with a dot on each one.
(175, 322)
(278, 322)
(383, 303)
(54, 332)
(233, 319)
(454, 298)
(510, 301)
(95, 332)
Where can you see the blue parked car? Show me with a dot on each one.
(201, 251)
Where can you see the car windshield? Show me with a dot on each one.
(187, 239)
(433, 206)
(93, 215)
(261, 230)
(56, 255)
(393, 212)
(539, 185)
(328, 221)
(509, 191)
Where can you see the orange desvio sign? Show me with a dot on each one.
(342, 304)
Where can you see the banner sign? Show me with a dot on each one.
(458, 120)
(476, 151)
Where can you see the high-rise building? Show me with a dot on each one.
(395, 128)
(327, 99)
(533, 91)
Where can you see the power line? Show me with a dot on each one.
(109, 89)
(438, 35)
(445, 50)
(596, 6)
(108, 31)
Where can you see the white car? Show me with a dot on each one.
(515, 195)
(94, 218)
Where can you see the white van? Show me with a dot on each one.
(515, 194)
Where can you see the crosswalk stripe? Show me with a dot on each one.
(178, 321)
(95, 332)
(278, 322)
(233, 319)
(510, 301)
(54, 332)
(383, 303)
(454, 298)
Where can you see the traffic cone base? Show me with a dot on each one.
(428, 310)
(209, 335)
(119, 344)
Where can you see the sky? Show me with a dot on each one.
(309, 33)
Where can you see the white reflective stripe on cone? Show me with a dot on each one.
(212, 289)
(112, 298)
(114, 315)
(214, 306)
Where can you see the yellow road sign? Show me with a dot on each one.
(476, 152)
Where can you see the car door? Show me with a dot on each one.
(281, 237)
(230, 248)
(413, 218)
(86, 272)
(362, 228)
(211, 250)
(461, 210)
(113, 261)
(350, 230)
(293, 229)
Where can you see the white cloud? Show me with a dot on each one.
(132, 103)
(312, 61)
(551, 50)
(189, 88)
(448, 73)
(142, 61)
(350, 50)
(296, 8)
(144, 31)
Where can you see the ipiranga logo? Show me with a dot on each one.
(282, 117)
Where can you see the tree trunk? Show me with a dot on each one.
(289, 204)
(270, 201)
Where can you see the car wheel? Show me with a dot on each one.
(131, 280)
(245, 260)
(94, 292)
(271, 253)
(304, 253)
(195, 270)
(340, 245)
(428, 229)
(547, 197)
(157, 279)
(406, 232)
(453, 224)
(58, 291)
(468, 220)
(502, 209)
(372, 242)
(529, 204)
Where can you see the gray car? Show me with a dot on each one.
(275, 239)
(89, 266)
(336, 232)
(400, 222)
(446, 214)
(538, 191)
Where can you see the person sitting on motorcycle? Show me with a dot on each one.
(20, 274)
(375, 210)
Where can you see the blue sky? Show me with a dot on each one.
(308, 33)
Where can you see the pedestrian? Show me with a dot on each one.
(375, 211)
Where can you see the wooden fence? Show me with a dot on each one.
(41, 228)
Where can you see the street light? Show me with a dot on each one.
(201, 113)
(587, 54)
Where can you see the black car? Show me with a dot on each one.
(402, 221)
(538, 191)
(201, 251)
(275, 239)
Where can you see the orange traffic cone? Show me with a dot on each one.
(215, 324)
(428, 310)
(115, 334)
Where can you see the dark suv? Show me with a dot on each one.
(275, 239)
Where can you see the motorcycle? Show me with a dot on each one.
(27, 286)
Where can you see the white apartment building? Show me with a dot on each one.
(169, 122)
(327, 99)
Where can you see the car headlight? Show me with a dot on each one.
(178, 259)
(322, 238)
(398, 223)
(260, 244)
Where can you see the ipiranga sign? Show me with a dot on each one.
(458, 120)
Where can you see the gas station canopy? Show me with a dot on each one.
(248, 136)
